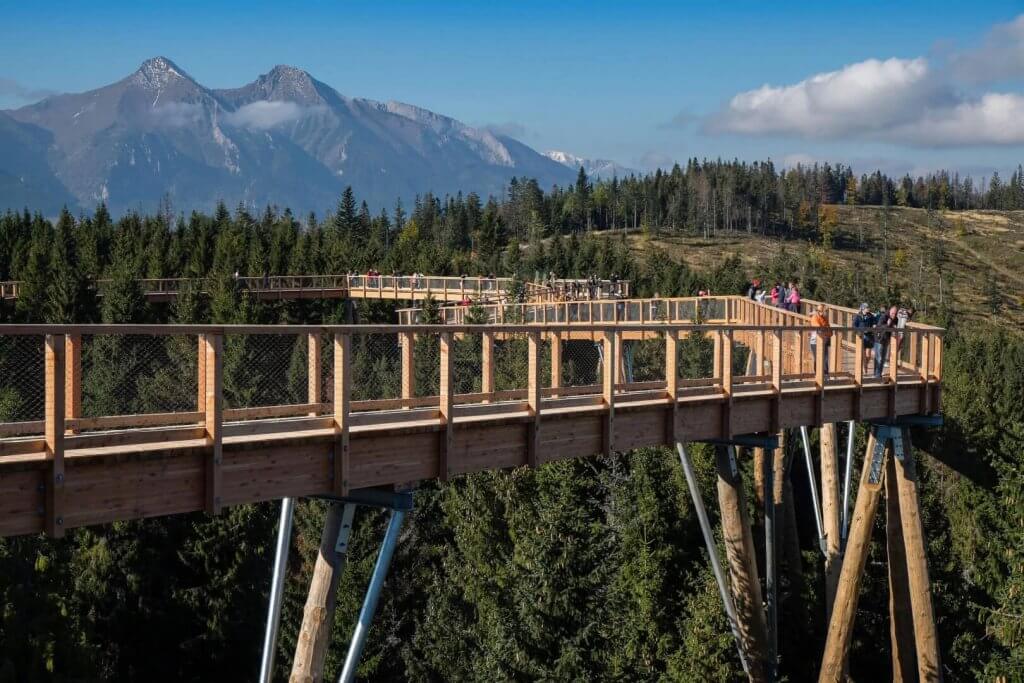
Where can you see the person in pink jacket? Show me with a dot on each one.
(793, 299)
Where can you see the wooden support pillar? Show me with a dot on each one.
(830, 507)
(844, 609)
(533, 386)
(214, 418)
(929, 665)
(901, 619)
(556, 361)
(73, 378)
(342, 392)
(53, 432)
(408, 342)
(743, 575)
(318, 614)
(315, 389)
(446, 406)
(608, 390)
(487, 364)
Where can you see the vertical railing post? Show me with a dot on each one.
(214, 418)
(201, 368)
(342, 411)
(533, 398)
(53, 432)
(922, 371)
(72, 380)
(858, 376)
(556, 362)
(894, 371)
(487, 365)
(716, 362)
(819, 380)
(446, 406)
(314, 390)
(609, 347)
(408, 343)
(726, 361)
(671, 384)
(776, 379)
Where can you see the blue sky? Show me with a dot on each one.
(597, 79)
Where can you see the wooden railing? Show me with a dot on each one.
(446, 288)
(362, 380)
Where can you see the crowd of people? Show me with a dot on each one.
(878, 329)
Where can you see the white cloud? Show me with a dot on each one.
(858, 99)
(265, 114)
(901, 101)
(999, 57)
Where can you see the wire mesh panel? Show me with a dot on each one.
(581, 362)
(427, 364)
(265, 370)
(467, 363)
(128, 374)
(644, 359)
(22, 379)
(696, 355)
(376, 366)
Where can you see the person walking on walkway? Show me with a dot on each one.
(884, 325)
(864, 321)
(821, 331)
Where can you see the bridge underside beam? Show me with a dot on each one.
(122, 478)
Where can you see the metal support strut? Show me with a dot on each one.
(814, 489)
(847, 480)
(380, 570)
(770, 564)
(284, 537)
(709, 541)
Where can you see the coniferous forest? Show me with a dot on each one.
(589, 569)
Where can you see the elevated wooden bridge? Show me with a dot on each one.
(201, 417)
(386, 287)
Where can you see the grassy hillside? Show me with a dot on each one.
(978, 256)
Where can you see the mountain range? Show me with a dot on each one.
(604, 169)
(285, 139)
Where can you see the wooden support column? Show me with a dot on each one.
(342, 392)
(556, 361)
(739, 551)
(901, 619)
(318, 614)
(533, 386)
(315, 389)
(844, 609)
(893, 374)
(487, 364)
(671, 384)
(608, 390)
(726, 337)
(53, 433)
(446, 406)
(929, 665)
(214, 418)
(408, 342)
(830, 506)
(73, 378)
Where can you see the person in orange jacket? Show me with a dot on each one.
(822, 330)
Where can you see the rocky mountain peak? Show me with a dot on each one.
(158, 72)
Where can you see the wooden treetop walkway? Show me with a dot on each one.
(112, 422)
(391, 287)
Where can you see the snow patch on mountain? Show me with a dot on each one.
(604, 169)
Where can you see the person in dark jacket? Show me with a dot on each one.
(884, 327)
(864, 321)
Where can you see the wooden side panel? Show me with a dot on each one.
(382, 460)
(21, 503)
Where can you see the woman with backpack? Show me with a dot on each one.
(864, 321)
